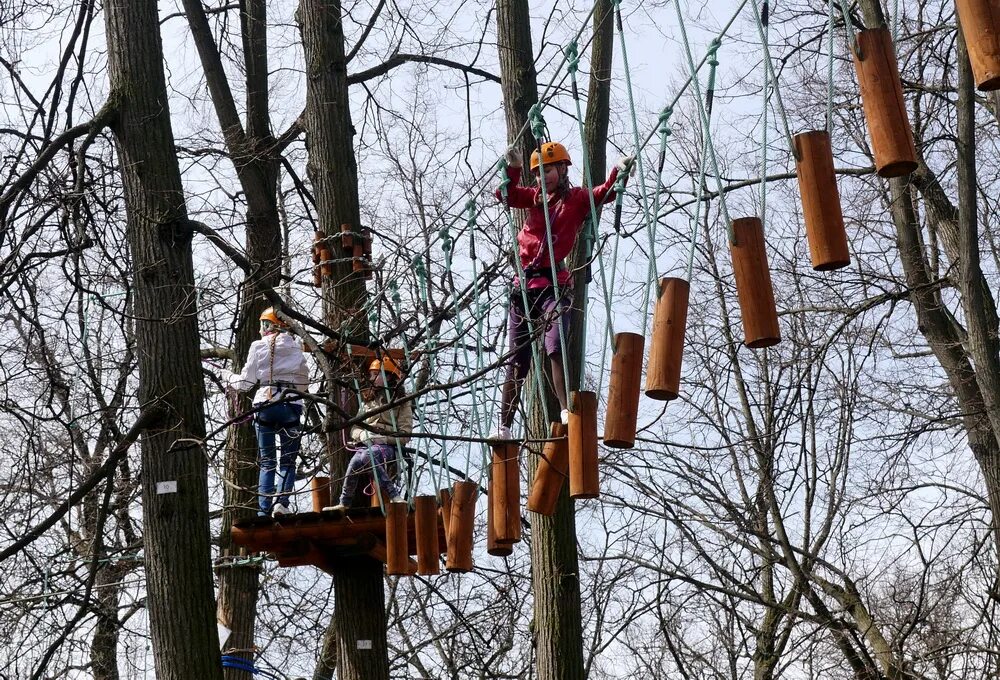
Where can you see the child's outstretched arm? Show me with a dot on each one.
(517, 195)
(605, 193)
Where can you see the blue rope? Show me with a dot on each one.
(241, 664)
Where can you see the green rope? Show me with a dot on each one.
(706, 128)
(538, 128)
(852, 40)
(771, 81)
(700, 191)
(762, 29)
(829, 74)
(523, 285)
(648, 220)
(591, 226)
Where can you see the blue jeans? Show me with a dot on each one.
(361, 465)
(281, 420)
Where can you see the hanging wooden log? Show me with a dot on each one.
(820, 201)
(980, 21)
(623, 391)
(505, 493)
(426, 527)
(552, 470)
(583, 479)
(320, 487)
(397, 552)
(885, 108)
(663, 372)
(327, 265)
(753, 284)
(494, 547)
(463, 516)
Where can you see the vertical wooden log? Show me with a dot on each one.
(623, 391)
(980, 21)
(552, 470)
(346, 238)
(397, 551)
(463, 517)
(426, 511)
(583, 477)
(753, 284)
(327, 266)
(320, 493)
(494, 547)
(820, 201)
(505, 493)
(663, 372)
(885, 108)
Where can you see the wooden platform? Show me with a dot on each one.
(321, 538)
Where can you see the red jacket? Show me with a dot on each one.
(566, 213)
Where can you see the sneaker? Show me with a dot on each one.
(564, 417)
(503, 432)
(280, 509)
(333, 508)
(397, 499)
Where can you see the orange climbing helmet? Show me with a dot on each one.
(387, 364)
(552, 152)
(269, 315)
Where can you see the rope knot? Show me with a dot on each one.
(537, 122)
(572, 57)
(713, 52)
(665, 121)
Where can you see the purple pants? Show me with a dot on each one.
(361, 466)
(544, 316)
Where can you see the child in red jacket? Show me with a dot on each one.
(568, 207)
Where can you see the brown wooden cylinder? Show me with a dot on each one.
(505, 493)
(753, 284)
(327, 263)
(885, 108)
(552, 470)
(347, 238)
(494, 547)
(425, 509)
(463, 517)
(623, 391)
(663, 371)
(358, 263)
(820, 201)
(397, 552)
(444, 499)
(980, 21)
(583, 478)
(320, 487)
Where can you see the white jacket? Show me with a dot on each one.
(288, 368)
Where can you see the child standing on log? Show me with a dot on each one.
(568, 207)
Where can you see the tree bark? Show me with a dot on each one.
(256, 162)
(557, 628)
(359, 618)
(180, 596)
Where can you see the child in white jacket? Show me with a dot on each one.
(275, 363)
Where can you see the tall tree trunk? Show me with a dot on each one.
(557, 626)
(180, 596)
(256, 161)
(359, 618)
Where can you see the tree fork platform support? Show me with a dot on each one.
(322, 538)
